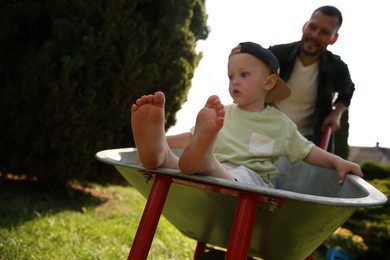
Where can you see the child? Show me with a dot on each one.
(239, 142)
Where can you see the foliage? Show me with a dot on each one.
(373, 170)
(70, 69)
(347, 242)
(341, 147)
(373, 224)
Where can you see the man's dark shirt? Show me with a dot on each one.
(333, 77)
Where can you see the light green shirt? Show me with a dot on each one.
(257, 139)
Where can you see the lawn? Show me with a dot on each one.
(100, 222)
(78, 223)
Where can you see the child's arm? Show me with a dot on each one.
(322, 158)
(179, 140)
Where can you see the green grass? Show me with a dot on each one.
(100, 222)
(97, 224)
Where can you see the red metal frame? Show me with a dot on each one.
(200, 249)
(326, 137)
(147, 227)
(241, 231)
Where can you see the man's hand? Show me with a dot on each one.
(334, 117)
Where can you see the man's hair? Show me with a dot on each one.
(331, 11)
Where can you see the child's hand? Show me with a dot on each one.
(344, 167)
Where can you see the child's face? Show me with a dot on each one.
(248, 78)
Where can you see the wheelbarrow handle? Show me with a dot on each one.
(326, 137)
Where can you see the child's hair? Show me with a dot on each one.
(235, 50)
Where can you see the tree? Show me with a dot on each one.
(70, 69)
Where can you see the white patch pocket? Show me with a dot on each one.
(261, 145)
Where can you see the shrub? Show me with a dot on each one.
(70, 69)
(347, 242)
(373, 170)
(373, 224)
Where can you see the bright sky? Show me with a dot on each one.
(362, 44)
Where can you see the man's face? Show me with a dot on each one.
(318, 33)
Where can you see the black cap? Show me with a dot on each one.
(281, 89)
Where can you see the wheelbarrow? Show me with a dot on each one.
(286, 222)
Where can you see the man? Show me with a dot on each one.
(321, 86)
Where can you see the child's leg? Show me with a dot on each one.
(198, 156)
(147, 122)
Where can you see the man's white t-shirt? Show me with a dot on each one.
(300, 105)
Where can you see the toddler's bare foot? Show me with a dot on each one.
(197, 155)
(147, 122)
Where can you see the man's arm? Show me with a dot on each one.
(334, 116)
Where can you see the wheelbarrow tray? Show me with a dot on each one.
(290, 221)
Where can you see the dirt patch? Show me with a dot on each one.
(30, 194)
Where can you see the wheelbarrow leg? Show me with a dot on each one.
(150, 217)
(200, 248)
(241, 232)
